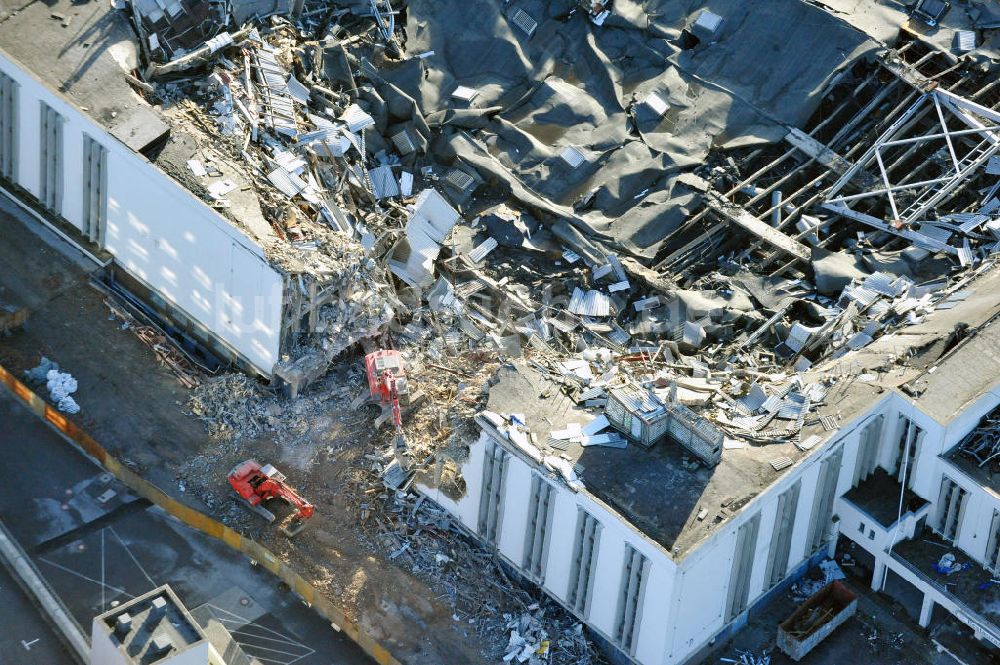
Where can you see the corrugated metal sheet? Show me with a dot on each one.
(860, 295)
(798, 335)
(287, 183)
(879, 309)
(639, 402)
(618, 335)
(881, 282)
(590, 393)
(792, 406)
(750, 423)
(356, 118)
(459, 179)
(772, 404)
(327, 141)
(809, 442)
(470, 329)
(754, 400)
(384, 183)
(935, 232)
(590, 303)
(562, 323)
(466, 289)
(482, 250)
(278, 107)
(523, 21)
(965, 255)
(780, 463)
(572, 156)
(968, 221)
(404, 142)
(816, 392)
(965, 40)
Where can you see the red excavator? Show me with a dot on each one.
(256, 484)
(387, 383)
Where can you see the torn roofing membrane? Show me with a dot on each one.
(575, 87)
(699, 206)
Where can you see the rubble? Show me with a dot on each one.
(748, 658)
(231, 406)
(60, 385)
(408, 209)
(327, 156)
(418, 535)
(982, 444)
(806, 588)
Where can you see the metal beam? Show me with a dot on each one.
(740, 217)
(894, 188)
(818, 151)
(907, 74)
(870, 153)
(875, 222)
(941, 135)
(888, 185)
(947, 136)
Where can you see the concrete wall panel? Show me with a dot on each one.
(159, 232)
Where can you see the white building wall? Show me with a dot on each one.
(684, 604)
(558, 564)
(696, 611)
(159, 232)
(615, 534)
(514, 523)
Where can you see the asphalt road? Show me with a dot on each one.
(97, 545)
(26, 637)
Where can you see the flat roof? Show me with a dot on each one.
(662, 490)
(84, 50)
(152, 627)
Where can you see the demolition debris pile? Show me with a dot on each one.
(422, 537)
(383, 230)
(699, 256)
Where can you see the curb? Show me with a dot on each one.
(198, 520)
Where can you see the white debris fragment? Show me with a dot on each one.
(219, 189)
(59, 384)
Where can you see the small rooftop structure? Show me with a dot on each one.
(154, 628)
(638, 414)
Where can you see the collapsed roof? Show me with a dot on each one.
(711, 206)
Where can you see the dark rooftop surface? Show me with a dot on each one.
(984, 475)
(660, 490)
(75, 48)
(971, 586)
(86, 61)
(878, 496)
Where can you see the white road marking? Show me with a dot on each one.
(84, 577)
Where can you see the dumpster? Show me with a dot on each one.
(815, 619)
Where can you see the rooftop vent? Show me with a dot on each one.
(158, 607)
(160, 645)
(123, 624)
